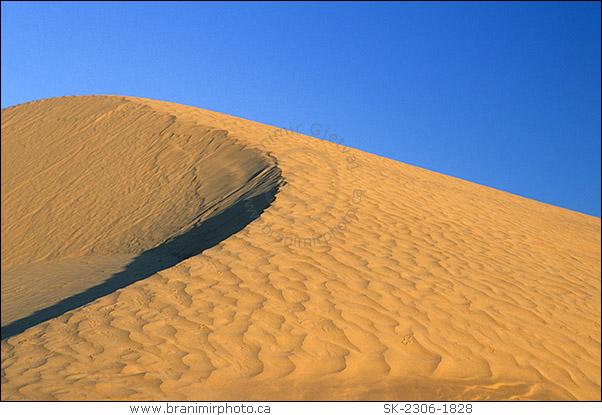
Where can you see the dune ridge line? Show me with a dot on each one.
(216, 198)
(435, 288)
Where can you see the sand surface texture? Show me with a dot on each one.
(154, 251)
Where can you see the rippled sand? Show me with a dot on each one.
(153, 251)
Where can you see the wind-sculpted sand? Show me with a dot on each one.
(153, 251)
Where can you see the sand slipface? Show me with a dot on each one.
(153, 251)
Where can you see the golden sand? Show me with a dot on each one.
(153, 251)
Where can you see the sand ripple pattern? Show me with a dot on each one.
(435, 289)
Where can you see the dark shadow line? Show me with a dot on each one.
(203, 236)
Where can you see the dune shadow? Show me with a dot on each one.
(204, 235)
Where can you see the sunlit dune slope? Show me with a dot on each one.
(90, 183)
(153, 251)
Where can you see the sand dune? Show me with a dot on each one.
(153, 251)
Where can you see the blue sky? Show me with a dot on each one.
(502, 94)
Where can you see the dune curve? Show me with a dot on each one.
(364, 278)
(86, 209)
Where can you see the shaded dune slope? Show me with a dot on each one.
(111, 181)
(364, 278)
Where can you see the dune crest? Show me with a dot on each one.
(360, 278)
(98, 192)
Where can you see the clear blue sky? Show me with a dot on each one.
(502, 94)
